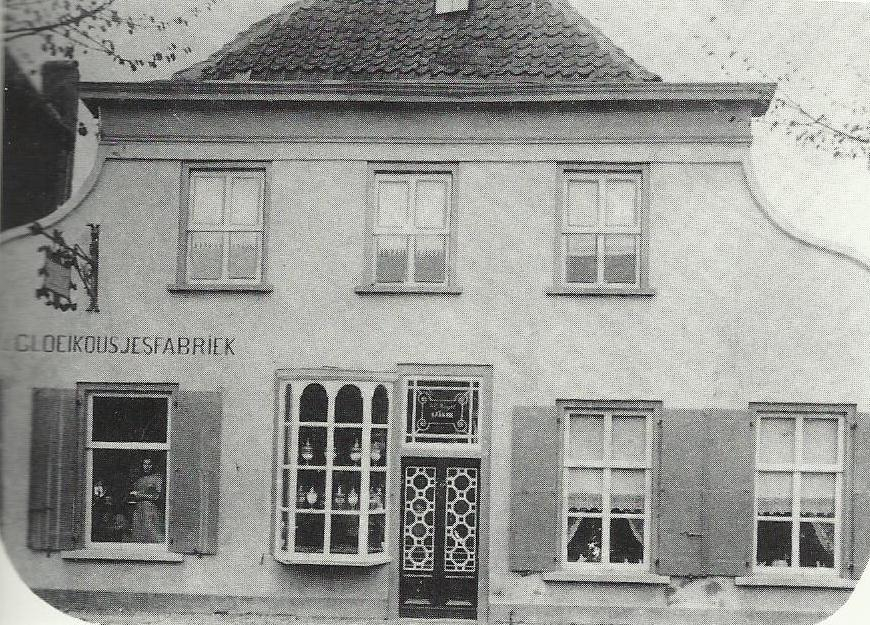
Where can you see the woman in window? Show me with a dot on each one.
(146, 495)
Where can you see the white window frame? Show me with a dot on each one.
(410, 173)
(607, 465)
(91, 445)
(332, 381)
(798, 414)
(226, 171)
(601, 173)
(451, 6)
(410, 440)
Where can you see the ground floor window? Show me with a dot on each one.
(606, 484)
(333, 504)
(128, 450)
(799, 468)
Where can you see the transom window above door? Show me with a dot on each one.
(443, 410)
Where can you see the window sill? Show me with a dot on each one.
(122, 554)
(403, 289)
(794, 581)
(332, 560)
(607, 577)
(600, 291)
(253, 288)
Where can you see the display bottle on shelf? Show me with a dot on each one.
(307, 452)
(356, 452)
(352, 498)
(339, 498)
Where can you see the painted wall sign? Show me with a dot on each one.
(112, 344)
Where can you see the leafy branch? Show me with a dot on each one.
(67, 27)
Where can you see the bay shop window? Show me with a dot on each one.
(332, 479)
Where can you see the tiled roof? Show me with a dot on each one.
(498, 40)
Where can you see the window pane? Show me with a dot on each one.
(380, 405)
(345, 534)
(580, 263)
(312, 446)
(586, 439)
(377, 490)
(378, 451)
(817, 544)
(310, 488)
(626, 541)
(392, 258)
(583, 487)
(244, 255)
(205, 257)
(130, 419)
(621, 207)
(377, 533)
(348, 447)
(312, 404)
(245, 200)
(628, 491)
(774, 494)
(776, 441)
(392, 204)
(818, 492)
(345, 490)
(348, 405)
(629, 439)
(207, 199)
(820, 441)
(774, 543)
(584, 539)
(432, 201)
(582, 203)
(430, 259)
(620, 259)
(309, 533)
(129, 496)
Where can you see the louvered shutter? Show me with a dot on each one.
(534, 504)
(194, 486)
(57, 497)
(680, 474)
(729, 487)
(860, 479)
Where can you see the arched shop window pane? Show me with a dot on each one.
(348, 405)
(380, 405)
(312, 405)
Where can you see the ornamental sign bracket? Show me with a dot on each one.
(60, 260)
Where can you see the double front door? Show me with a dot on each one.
(440, 537)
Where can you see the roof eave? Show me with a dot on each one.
(758, 95)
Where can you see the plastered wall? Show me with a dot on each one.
(741, 313)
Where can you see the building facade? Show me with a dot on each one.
(479, 336)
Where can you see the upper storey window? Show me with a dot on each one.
(603, 237)
(413, 232)
(223, 227)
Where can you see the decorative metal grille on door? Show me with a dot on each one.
(419, 551)
(460, 520)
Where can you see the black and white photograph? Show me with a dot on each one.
(510, 312)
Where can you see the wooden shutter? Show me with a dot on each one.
(534, 504)
(729, 485)
(194, 477)
(681, 465)
(860, 479)
(57, 496)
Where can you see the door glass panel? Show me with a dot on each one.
(129, 419)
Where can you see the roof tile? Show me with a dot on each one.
(388, 39)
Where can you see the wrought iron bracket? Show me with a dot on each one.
(67, 257)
